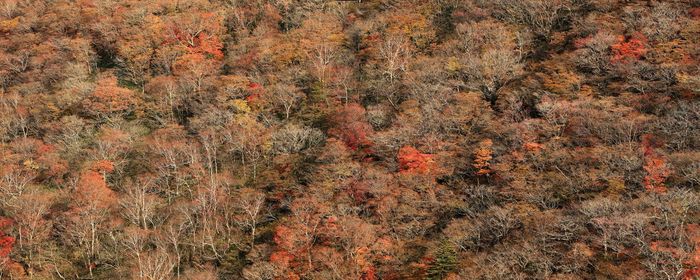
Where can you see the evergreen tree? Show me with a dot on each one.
(445, 262)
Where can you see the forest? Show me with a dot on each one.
(349, 139)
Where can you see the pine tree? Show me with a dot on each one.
(445, 262)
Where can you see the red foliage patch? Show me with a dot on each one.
(6, 242)
(284, 237)
(694, 13)
(351, 127)
(655, 166)
(281, 258)
(255, 91)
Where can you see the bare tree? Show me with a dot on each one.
(139, 205)
(541, 16)
(492, 70)
(286, 96)
(250, 204)
(294, 138)
(395, 52)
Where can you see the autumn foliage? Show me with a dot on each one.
(413, 161)
(6, 242)
(351, 127)
(626, 49)
(482, 158)
(109, 98)
(92, 186)
(362, 140)
(655, 166)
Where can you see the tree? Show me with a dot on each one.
(628, 49)
(89, 217)
(175, 159)
(445, 262)
(33, 230)
(394, 51)
(295, 241)
(6, 243)
(293, 138)
(482, 158)
(194, 69)
(492, 70)
(542, 16)
(321, 37)
(135, 54)
(250, 204)
(350, 126)
(199, 33)
(655, 166)
(592, 54)
(248, 140)
(285, 96)
(413, 161)
(139, 204)
(108, 100)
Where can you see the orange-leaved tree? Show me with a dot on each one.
(412, 160)
(482, 158)
(109, 99)
(629, 49)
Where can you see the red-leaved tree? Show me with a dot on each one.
(350, 126)
(655, 166)
(6, 242)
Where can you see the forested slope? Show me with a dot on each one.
(374, 139)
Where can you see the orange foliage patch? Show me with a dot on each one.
(629, 49)
(103, 166)
(413, 161)
(109, 98)
(208, 45)
(284, 237)
(533, 147)
(204, 42)
(482, 158)
(92, 188)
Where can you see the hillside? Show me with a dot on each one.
(367, 140)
